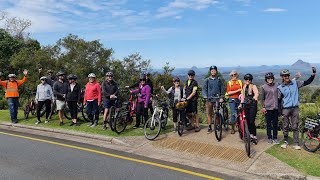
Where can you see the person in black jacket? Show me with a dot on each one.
(73, 98)
(110, 91)
(60, 89)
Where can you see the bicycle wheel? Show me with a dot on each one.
(311, 144)
(226, 118)
(66, 113)
(218, 126)
(111, 117)
(180, 125)
(164, 118)
(120, 124)
(152, 128)
(84, 113)
(247, 138)
(33, 108)
(26, 111)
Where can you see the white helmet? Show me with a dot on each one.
(91, 75)
(12, 76)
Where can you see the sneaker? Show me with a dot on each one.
(189, 128)
(197, 129)
(209, 130)
(270, 141)
(72, 124)
(94, 125)
(296, 147)
(135, 127)
(38, 122)
(90, 124)
(275, 141)
(46, 122)
(255, 141)
(284, 145)
(61, 123)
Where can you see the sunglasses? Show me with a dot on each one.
(109, 76)
(142, 80)
(247, 79)
(233, 75)
(270, 78)
(176, 81)
(286, 75)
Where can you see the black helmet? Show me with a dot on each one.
(109, 73)
(284, 72)
(213, 67)
(268, 76)
(191, 72)
(248, 77)
(142, 76)
(61, 73)
(72, 76)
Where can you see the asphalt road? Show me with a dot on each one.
(39, 158)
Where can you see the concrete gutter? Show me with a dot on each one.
(108, 139)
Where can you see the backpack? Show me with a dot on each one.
(226, 95)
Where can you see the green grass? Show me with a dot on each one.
(303, 161)
(54, 123)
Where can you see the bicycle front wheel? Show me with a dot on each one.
(26, 112)
(247, 139)
(120, 124)
(67, 113)
(311, 144)
(164, 119)
(111, 117)
(152, 128)
(218, 126)
(180, 125)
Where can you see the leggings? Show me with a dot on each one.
(47, 103)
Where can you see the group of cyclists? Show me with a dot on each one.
(278, 98)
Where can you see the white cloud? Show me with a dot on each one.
(178, 17)
(275, 10)
(177, 6)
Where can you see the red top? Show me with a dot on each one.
(92, 92)
(235, 85)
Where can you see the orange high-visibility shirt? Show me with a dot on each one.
(12, 87)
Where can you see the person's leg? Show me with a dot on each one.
(39, 107)
(89, 111)
(275, 124)
(174, 117)
(233, 111)
(48, 108)
(209, 113)
(269, 120)
(16, 106)
(253, 114)
(95, 109)
(295, 125)
(145, 114)
(11, 108)
(138, 114)
(286, 116)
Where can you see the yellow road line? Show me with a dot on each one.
(117, 156)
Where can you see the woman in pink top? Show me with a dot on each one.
(92, 98)
(250, 97)
(143, 100)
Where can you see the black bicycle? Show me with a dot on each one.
(182, 117)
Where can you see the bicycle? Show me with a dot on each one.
(219, 117)
(158, 120)
(81, 109)
(182, 118)
(312, 142)
(243, 129)
(30, 106)
(225, 114)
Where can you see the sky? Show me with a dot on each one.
(184, 33)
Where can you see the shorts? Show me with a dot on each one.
(211, 107)
(192, 107)
(107, 103)
(60, 105)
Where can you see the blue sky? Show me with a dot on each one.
(184, 33)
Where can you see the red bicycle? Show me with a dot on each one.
(242, 126)
(312, 142)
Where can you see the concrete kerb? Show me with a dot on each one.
(109, 139)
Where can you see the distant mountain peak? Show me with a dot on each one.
(300, 64)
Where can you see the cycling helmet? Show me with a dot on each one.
(61, 73)
(191, 72)
(72, 76)
(142, 76)
(248, 77)
(269, 75)
(176, 79)
(109, 74)
(284, 72)
(12, 76)
(91, 75)
(213, 67)
(43, 78)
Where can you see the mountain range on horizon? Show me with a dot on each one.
(299, 65)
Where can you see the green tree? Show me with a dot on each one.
(164, 79)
